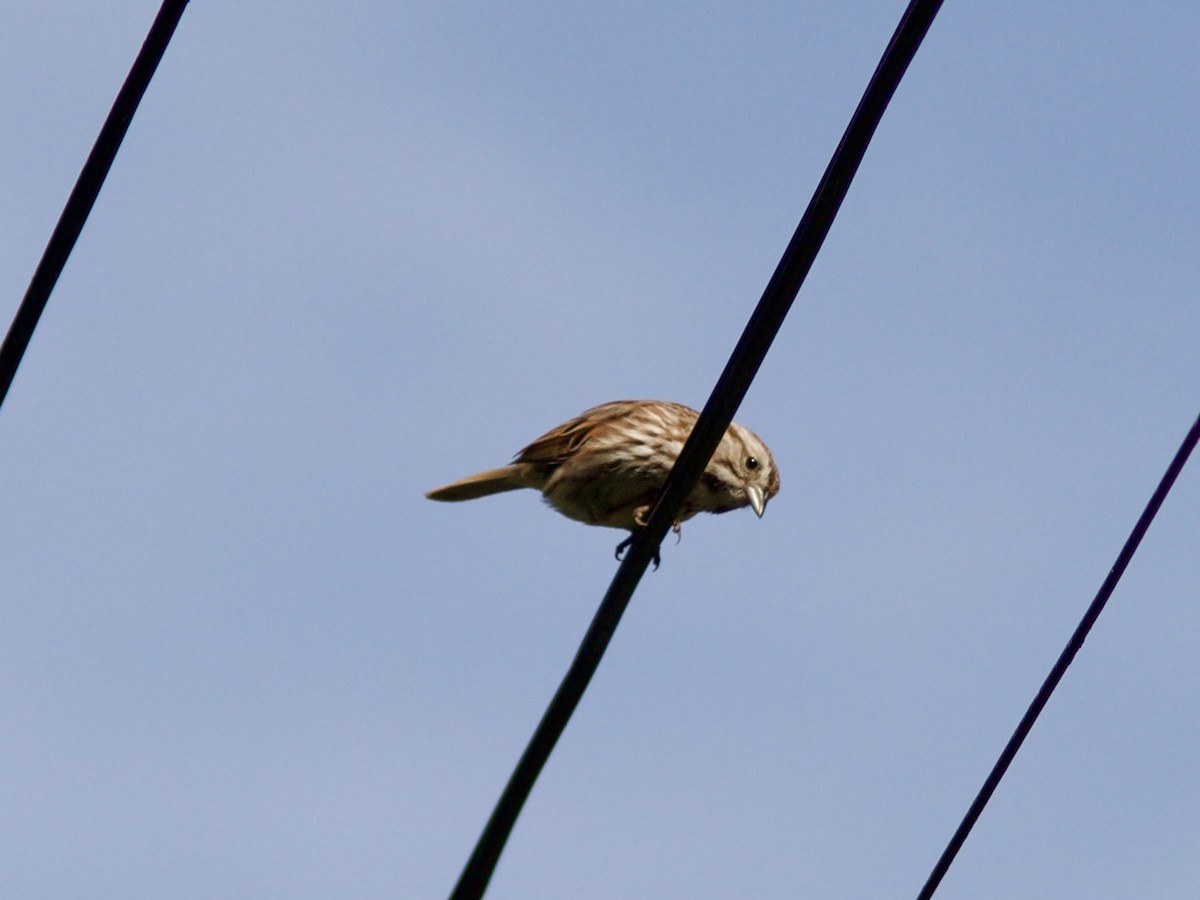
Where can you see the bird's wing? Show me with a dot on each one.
(556, 445)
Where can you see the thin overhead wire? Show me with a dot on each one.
(83, 195)
(718, 412)
(1064, 660)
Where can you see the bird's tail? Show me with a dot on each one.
(481, 484)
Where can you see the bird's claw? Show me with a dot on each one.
(624, 545)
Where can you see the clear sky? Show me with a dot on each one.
(351, 251)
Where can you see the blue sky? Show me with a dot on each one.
(352, 251)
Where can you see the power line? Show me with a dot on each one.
(87, 188)
(1064, 660)
(718, 412)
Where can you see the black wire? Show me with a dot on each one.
(83, 196)
(731, 387)
(1064, 660)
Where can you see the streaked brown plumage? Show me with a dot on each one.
(606, 466)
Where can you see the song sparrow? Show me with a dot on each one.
(606, 466)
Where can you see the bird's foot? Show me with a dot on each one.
(624, 545)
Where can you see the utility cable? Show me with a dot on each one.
(1064, 660)
(87, 188)
(731, 387)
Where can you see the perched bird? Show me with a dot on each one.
(606, 467)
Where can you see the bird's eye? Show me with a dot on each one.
(751, 463)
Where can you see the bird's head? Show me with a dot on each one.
(741, 473)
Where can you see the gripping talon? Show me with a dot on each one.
(624, 545)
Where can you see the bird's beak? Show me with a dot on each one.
(757, 501)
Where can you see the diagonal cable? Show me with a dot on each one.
(83, 195)
(1064, 660)
(731, 387)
